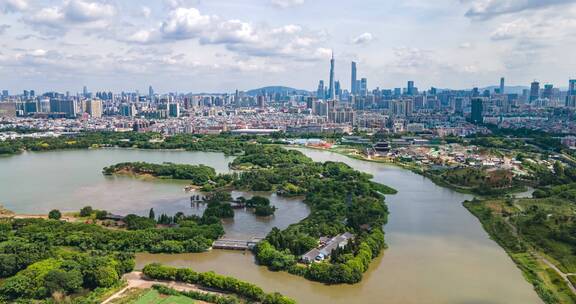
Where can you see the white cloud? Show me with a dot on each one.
(16, 5)
(363, 39)
(73, 13)
(487, 9)
(185, 23)
(510, 30)
(145, 12)
(84, 11)
(238, 36)
(286, 3)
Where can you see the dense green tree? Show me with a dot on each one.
(86, 211)
(54, 214)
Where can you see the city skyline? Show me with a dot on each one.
(200, 46)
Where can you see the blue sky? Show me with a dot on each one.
(220, 46)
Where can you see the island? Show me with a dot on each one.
(342, 201)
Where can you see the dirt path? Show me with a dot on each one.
(136, 280)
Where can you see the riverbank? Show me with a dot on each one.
(553, 285)
(418, 170)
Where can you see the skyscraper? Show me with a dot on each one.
(571, 96)
(410, 89)
(354, 79)
(364, 87)
(331, 84)
(477, 109)
(151, 93)
(320, 91)
(534, 91)
(85, 91)
(548, 91)
(94, 108)
(502, 82)
(337, 89)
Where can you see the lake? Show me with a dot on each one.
(438, 252)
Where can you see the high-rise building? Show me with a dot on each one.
(320, 92)
(548, 91)
(534, 91)
(174, 109)
(261, 101)
(410, 89)
(44, 105)
(331, 93)
(85, 91)
(572, 87)
(151, 93)
(571, 96)
(128, 110)
(94, 108)
(354, 80)
(337, 90)
(7, 109)
(364, 87)
(477, 110)
(502, 87)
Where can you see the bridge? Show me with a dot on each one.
(231, 244)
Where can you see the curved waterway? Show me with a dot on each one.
(438, 252)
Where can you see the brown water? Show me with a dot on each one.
(68, 180)
(438, 252)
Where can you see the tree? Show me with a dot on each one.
(54, 214)
(134, 222)
(151, 214)
(59, 280)
(106, 276)
(86, 211)
(101, 214)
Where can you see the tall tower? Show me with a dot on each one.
(354, 87)
(410, 89)
(534, 91)
(502, 82)
(331, 84)
(477, 110)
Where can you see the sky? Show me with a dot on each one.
(220, 46)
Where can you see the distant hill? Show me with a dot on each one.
(271, 90)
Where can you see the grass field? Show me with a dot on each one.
(153, 297)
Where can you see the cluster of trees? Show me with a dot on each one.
(226, 143)
(93, 237)
(346, 265)
(476, 180)
(264, 156)
(198, 174)
(34, 271)
(340, 198)
(62, 273)
(218, 205)
(212, 280)
(261, 206)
